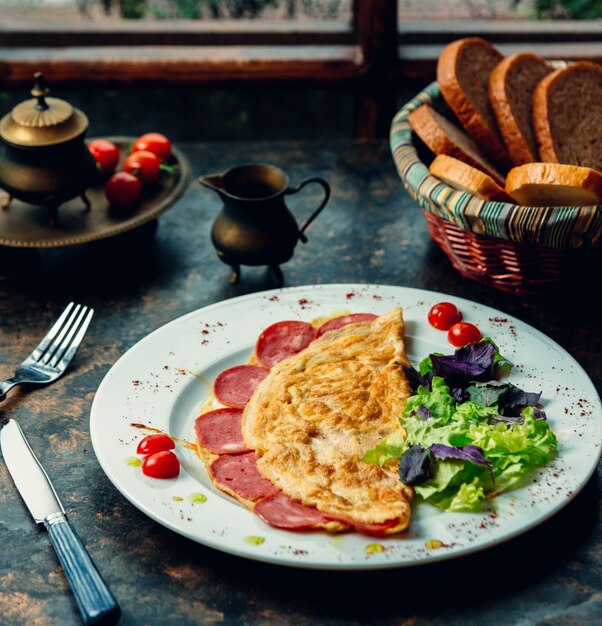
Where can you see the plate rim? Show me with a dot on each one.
(434, 556)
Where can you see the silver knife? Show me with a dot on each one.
(94, 599)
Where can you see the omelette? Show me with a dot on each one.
(306, 427)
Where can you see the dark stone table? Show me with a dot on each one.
(371, 232)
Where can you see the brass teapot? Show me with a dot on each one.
(255, 226)
(43, 157)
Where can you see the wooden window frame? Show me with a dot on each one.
(374, 56)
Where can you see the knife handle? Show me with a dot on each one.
(95, 601)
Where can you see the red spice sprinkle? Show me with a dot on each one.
(204, 332)
(303, 301)
(350, 295)
(273, 299)
(135, 383)
(375, 297)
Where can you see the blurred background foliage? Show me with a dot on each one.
(216, 9)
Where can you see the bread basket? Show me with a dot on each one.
(523, 250)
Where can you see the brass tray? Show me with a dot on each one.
(27, 226)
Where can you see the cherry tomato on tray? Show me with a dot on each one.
(162, 464)
(155, 443)
(105, 153)
(144, 165)
(122, 189)
(156, 143)
(463, 333)
(444, 315)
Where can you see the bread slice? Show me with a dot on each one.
(444, 137)
(567, 115)
(463, 73)
(467, 178)
(511, 87)
(554, 184)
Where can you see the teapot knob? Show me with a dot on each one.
(40, 91)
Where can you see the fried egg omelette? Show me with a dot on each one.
(316, 414)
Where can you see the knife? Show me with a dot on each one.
(94, 599)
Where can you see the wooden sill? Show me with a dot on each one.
(420, 61)
(499, 31)
(182, 63)
(21, 33)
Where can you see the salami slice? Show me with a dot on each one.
(280, 511)
(343, 320)
(239, 473)
(220, 432)
(234, 386)
(283, 339)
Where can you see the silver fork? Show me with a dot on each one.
(52, 355)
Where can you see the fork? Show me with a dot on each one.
(52, 355)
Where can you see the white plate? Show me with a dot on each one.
(164, 378)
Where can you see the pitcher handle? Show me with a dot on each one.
(312, 217)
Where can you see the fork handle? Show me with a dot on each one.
(6, 386)
(94, 599)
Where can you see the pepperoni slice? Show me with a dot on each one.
(220, 432)
(283, 339)
(239, 473)
(280, 511)
(234, 386)
(343, 320)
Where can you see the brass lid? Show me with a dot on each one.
(42, 121)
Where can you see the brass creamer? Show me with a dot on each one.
(255, 226)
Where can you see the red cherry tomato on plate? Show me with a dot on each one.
(123, 188)
(105, 153)
(444, 315)
(463, 333)
(144, 165)
(162, 464)
(155, 443)
(156, 143)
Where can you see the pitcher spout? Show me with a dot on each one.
(213, 181)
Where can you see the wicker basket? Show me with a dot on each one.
(524, 250)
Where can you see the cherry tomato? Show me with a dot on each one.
(155, 443)
(156, 143)
(145, 165)
(444, 315)
(463, 333)
(123, 188)
(105, 153)
(162, 464)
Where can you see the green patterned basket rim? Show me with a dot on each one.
(550, 227)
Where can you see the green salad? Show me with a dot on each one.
(471, 434)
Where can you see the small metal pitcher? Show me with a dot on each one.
(255, 226)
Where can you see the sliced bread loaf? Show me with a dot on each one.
(511, 87)
(463, 73)
(444, 137)
(567, 115)
(554, 184)
(467, 178)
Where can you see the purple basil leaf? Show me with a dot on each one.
(472, 362)
(538, 414)
(415, 380)
(471, 453)
(514, 400)
(459, 394)
(487, 394)
(415, 466)
(424, 412)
